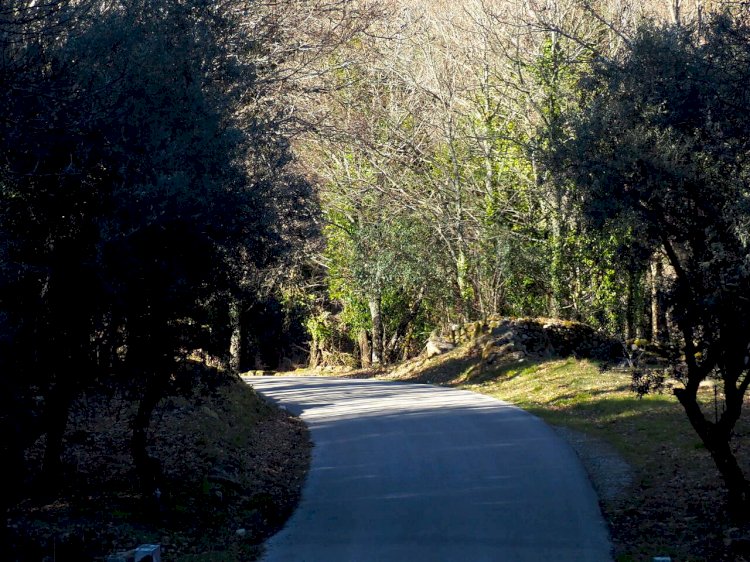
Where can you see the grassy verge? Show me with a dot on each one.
(578, 395)
(675, 505)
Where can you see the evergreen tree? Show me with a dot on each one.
(660, 151)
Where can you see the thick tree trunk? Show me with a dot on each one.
(148, 468)
(716, 437)
(57, 408)
(377, 330)
(738, 487)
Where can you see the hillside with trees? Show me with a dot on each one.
(189, 190)
(581, 161)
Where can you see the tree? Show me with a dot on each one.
(660, 149)
(49, 297)
(445, 111)
(144, 173)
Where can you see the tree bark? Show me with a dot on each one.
(365, 352)
(56, 421)
(148, 468)
(560, 290)
(314, 353)
(235, 340)
(658, 316)
(377, 330)
(716, 437)
(676, 9)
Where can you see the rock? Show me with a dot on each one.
(437, 347)
(148, 552)
(500, 340)
(241, 532)
(126, 556)
(475, 330)
(512, 340)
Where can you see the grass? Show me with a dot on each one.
(577, 394)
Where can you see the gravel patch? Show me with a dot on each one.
(610, 475)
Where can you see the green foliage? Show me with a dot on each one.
(319, 327)
(374, 254)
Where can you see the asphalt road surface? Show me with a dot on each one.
(411, 472)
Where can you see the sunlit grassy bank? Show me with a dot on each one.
(579, 395)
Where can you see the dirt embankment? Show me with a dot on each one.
(233, 467)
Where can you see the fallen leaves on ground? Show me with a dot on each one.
(233, 465)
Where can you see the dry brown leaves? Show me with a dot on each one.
(234, 468)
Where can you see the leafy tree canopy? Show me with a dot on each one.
(661, 148)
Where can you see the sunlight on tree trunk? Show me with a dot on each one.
(377, 330)
(235, 341)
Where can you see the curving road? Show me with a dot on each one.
(416, 472)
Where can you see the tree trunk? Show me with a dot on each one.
(716, 437)
(235, 340)
(560, 290)
(365, 353)
(377, 331)
(738, 487)
(148, 468)
(675, 9)
(461, 281)
(314, 353)
(658, 316)
(408, 339)
(57, 408)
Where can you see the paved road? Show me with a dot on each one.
(409, 472)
